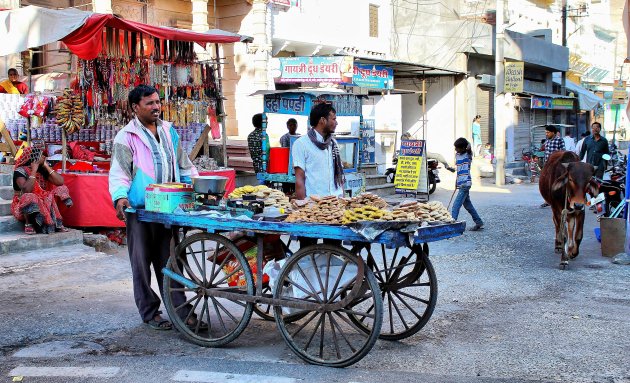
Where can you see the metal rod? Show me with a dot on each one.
(219, 81)
(48, 66)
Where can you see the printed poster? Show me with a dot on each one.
(514, 74)
(409, 166)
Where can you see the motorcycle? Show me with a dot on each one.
(613, 184)
(434, 173)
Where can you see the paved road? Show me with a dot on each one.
(505, 313)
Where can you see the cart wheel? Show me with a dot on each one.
(212, 262)
(408, 287)
(327, 275)
(264, 310)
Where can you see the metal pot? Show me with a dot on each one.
(209, 184)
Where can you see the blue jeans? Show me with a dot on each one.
(463, 198)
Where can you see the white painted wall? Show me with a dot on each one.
(386, 111)
(441, 114)
(332, 23)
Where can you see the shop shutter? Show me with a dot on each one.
(539, 118)
(522, 122)
(485, 108)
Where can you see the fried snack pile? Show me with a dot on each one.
(271, 197)
(328, 210)
(366, 213)
(427, 212)
(366, 199)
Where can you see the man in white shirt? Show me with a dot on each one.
(317, 162)
(569, 143)
(316, 159)
(578, 147)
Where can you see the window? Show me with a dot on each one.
(373, 20)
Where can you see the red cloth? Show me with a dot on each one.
(87, 41)
(229, 173)
(93, 206)
(80, 152)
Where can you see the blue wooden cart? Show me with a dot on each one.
(330, 302)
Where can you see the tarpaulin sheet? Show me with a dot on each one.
(86, 42)
(30, 27)
(93, 206)
(82, 32)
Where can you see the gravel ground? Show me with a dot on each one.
(505, 310)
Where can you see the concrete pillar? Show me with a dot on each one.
(102, 6)
(200, 24)
(200, 15)
(261, 46)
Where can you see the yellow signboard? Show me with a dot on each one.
(514, 73)
(409, 169)
(408, 173)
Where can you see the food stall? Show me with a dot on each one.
(113, 55)
(330, 303)
(278, 164)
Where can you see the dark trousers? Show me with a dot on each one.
(149, 244)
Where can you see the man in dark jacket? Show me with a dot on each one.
(594, 147)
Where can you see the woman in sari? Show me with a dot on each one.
(37, 188)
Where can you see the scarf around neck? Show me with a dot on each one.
(329, 142)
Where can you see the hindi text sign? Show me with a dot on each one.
(409, 166)
(514, 72)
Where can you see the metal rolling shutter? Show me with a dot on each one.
(485, 108)
(522, 122)
(539, 118)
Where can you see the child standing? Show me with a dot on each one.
(534, 168)
(463, 159)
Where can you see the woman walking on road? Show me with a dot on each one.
(463, 159)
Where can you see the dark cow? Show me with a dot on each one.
(564, 182)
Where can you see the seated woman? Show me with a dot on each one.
(36, 185)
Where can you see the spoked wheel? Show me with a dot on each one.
(264, 310)
(336, 284)
(408, 287)
(210, 262)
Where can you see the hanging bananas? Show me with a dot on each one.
(69, 112)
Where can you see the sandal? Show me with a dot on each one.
(62, 229)
(160, 324)
(28, 229)
(192, 325)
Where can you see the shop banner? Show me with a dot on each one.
(562, 104)
(286, 3)
(409, 166)
(288, 103)
(368, 142)
(302, 103)
(514, 72)
(337, 69)
(344, 104)
(541, 102)
(373, 76)
(354, 184)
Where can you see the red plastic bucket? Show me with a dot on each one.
(278, 160)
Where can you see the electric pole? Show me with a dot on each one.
(563, 83)
(499, 98)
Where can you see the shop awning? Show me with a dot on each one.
(587, 100)
(29, 27)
